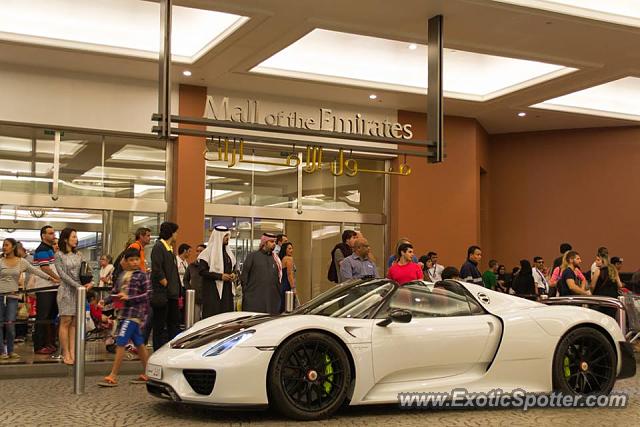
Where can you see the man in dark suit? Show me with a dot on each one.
(165, 281)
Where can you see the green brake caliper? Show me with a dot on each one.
(328, 371)
(567, 371)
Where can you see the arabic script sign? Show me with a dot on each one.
(232, 152)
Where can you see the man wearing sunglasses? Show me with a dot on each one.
(539, 276)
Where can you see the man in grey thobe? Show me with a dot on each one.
(260, 279)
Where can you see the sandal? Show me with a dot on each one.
(142, 379)
(108, 381)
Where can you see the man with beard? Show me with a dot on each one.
(216, 265)
(261, 279)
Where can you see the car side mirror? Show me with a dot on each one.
(398, 316)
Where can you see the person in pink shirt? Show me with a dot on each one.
(404, 269)
(556, 274)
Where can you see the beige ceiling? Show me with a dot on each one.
(602, 51)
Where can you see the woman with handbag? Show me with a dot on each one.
(74, 272)
(11, 267)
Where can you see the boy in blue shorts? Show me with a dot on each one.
(133, 289)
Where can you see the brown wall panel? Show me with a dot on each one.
(579, 186)
(438, 206)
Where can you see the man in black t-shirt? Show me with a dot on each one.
(469, 271)
(568, 284)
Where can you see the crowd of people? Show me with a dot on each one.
(146, 301)
(528, 280)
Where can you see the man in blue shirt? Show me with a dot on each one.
(44, 337)
(469, 271)
(358, 265)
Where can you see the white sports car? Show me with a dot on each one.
(363, 342)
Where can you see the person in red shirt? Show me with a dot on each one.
(404, 269)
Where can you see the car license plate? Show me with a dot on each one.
(154, 371)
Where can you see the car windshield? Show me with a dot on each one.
(353, 299)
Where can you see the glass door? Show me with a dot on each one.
(312, 241)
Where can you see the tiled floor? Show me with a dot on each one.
(130, 405)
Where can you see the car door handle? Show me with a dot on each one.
(491, 327)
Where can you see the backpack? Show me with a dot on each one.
(332, 274)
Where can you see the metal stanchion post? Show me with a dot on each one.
(78, 369)
(190, 308)
(288, 301)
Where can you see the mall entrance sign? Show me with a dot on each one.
(249, 111)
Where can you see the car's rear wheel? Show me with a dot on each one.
(584, 363)
(310, 376)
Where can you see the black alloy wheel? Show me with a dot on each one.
(310, 377)
(585, 362)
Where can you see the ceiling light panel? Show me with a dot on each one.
(129, 27)
(618, 99)
(15, 145)
(388, 64)
(124, 173)
(625, 12)
(138, 153)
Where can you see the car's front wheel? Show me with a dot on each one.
(310, 376)
(584, 363)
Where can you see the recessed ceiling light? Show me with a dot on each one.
(522, 114)
(618, 99)
(108, 25)
(373, 96)
(625, 12)
(383, 64)
(186, 73)
(413, 46)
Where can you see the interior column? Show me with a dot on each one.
(189, 170)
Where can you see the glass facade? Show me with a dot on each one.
(90, 165)
(99, 232)
(252, 184)
(123, 167)
(276, 185)
(362, 193)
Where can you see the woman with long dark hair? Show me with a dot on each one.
(605, 281)
(11, 267)
(68, 262)
(523, 284)
(288, 272)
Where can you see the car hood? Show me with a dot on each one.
(219, 330)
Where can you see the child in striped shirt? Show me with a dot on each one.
(133, 289)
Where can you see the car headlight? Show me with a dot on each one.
(229, 342)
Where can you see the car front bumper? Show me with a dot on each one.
(239, 376)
